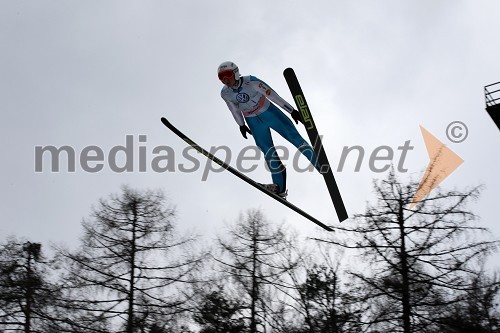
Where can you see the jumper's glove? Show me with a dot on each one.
(244, 130)
(296, 116)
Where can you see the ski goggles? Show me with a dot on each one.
(226, 74)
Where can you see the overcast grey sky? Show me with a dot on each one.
(92, 72)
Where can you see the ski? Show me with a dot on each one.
(316, 143)
(240, 175)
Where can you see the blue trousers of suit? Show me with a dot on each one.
(275, 119)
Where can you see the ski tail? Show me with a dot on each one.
(314, 137)
(240, 175)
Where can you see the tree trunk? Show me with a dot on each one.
(404, 272)
(130, 321)
(29, 295)
(253, 319)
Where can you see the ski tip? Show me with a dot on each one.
(325, 227)
(288, 71)
(164, 121)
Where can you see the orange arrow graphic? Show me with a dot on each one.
(443, 161)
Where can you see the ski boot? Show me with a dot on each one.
(274, 188)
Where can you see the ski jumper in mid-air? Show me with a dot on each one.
(249, 99)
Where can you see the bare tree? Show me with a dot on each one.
(478, 312)
(218, 313)
(326, 303)
(322, 298)
(131, 267)
(253, 259)
(26, 288)
(416, 260)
